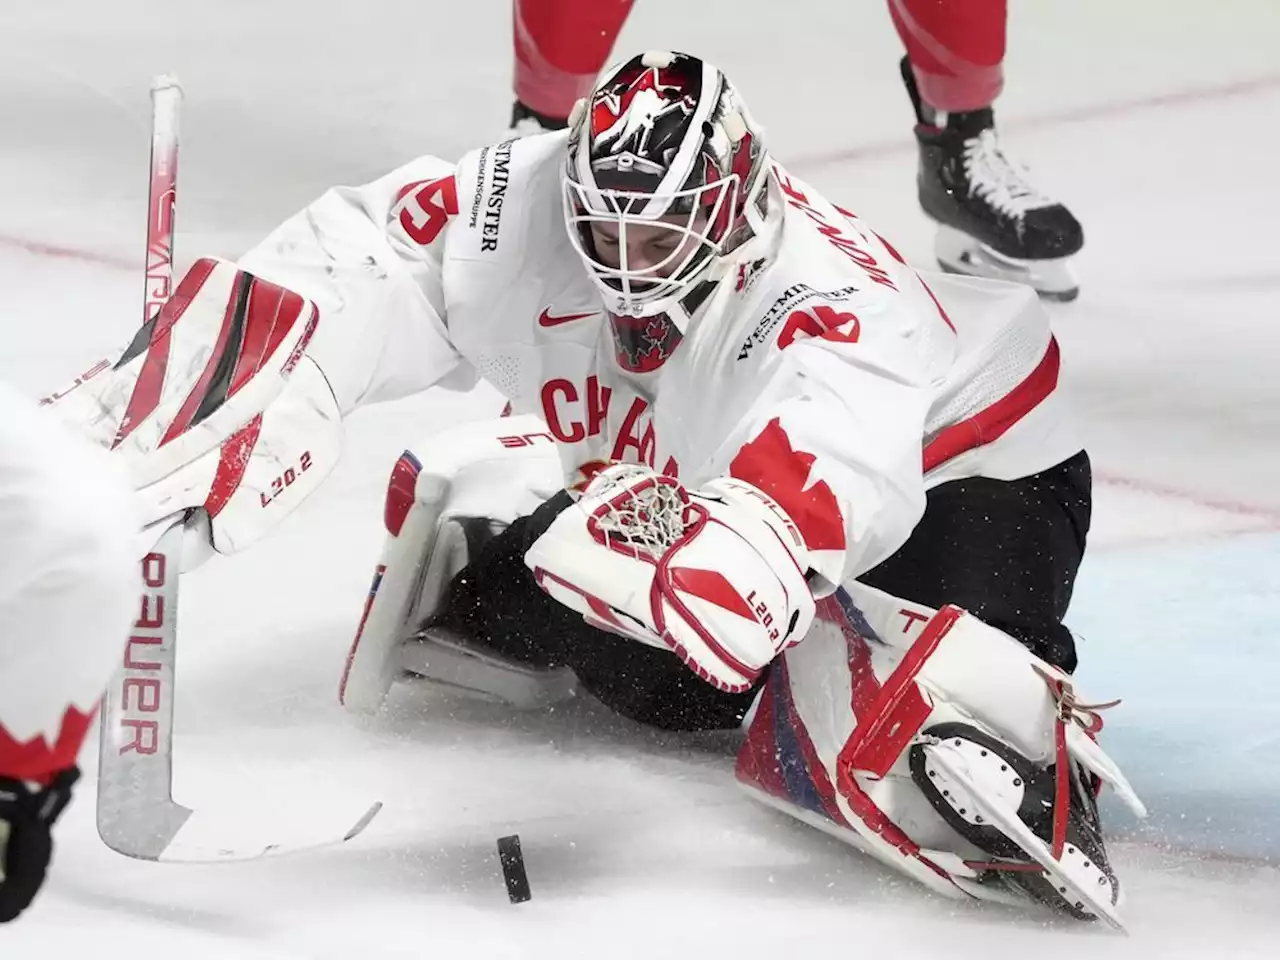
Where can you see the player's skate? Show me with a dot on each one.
(440, 511)
(991, 221)
(951, 753)
(526, 122)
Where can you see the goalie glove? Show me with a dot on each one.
(715, 575)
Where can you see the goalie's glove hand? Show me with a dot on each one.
(27, 813)
(716, 575)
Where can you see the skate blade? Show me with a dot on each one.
(961, 254)
(1077, 881)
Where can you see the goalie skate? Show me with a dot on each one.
(1002, 803)
(954, 755)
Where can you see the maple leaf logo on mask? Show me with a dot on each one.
(771, 464)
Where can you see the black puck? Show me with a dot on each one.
(513, 872)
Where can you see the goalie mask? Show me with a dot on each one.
(664, 185)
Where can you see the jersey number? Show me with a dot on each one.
(427, 209)
(819, 321)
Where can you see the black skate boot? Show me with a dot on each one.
(991, 221)
(526, 122)
(1044, 839)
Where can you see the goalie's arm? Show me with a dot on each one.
(232, 397)
(835, 437)
(371, 259)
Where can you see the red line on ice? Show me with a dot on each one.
(57, 252)
(1269, 517)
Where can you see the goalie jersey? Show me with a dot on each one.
(828, 372)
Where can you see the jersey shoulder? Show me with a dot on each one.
(478, 208)
(825, 269)
(508, 199)
(823, 235)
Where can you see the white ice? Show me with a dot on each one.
(1156, 121)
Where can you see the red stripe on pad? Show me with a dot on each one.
(233, 461)
(900, 709)
(712, 587)
(189, 406)
(146, 391)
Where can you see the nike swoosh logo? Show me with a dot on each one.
(545, 319)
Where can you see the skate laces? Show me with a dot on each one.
(1089, 718)
(1070, 710)
(998, 181)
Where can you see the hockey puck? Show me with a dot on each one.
(513, 872)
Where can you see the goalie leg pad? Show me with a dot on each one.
(466, 474)
(860, 706)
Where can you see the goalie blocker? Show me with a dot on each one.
(223, 425)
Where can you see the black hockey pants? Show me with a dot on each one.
(1006, 551)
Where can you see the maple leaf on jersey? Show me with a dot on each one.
(771, 464)
(37, 759)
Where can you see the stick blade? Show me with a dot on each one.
(210, 837)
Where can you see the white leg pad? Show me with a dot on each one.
(475, 470)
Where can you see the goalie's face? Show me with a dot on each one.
(645, 251)
(662, 184)
(652, 249)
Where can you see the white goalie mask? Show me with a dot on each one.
(664, 184)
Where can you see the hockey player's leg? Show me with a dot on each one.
(68, 581)
(560, 47)
(497, 603)
(454, 601)
(1005, 551)
(992, 221)
(956, 50)
(947, 749)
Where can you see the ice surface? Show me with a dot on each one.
(1155, 121)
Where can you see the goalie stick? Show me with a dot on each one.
(136, 813)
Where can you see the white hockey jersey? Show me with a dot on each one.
(828, 374)
(69, 586)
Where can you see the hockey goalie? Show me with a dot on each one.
(760, 473)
